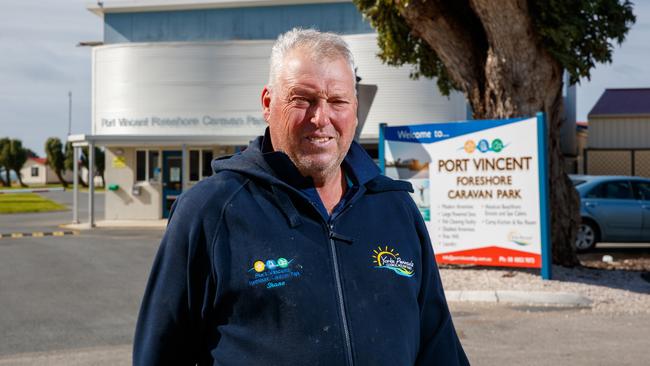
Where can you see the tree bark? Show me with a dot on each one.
(505, 74)
(63, 181)
(20, 179)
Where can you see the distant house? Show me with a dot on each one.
(35, 171)
(619, 133)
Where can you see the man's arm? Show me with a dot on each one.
(439, 344)
(168, 331)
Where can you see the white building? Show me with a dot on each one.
(177, 83)
(35, 171)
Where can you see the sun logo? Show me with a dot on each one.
(388, 258)
(381, 253)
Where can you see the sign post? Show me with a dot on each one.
(481, 187)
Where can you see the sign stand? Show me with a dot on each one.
(543, 193)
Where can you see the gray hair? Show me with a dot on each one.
(323, 45)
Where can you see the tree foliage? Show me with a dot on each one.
(4, 161)
(12, 157)
(578, 33)
(17, 156)
(55, 157)
(99, 161)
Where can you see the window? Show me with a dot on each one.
(641, 190)
(34, 171)
(577, 182)
(154, 166)
(194, 165)
(612, 190)
(147, 163)
(200, 164)
(141, 165)
(207, 163)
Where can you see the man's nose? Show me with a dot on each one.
(320, 113)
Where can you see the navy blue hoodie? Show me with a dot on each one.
(252, 271)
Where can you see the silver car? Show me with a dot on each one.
(613, 209)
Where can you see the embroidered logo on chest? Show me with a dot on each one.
(273, 273)
(388, 258)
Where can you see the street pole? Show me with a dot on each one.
(69, 112)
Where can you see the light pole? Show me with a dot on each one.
(69, 112)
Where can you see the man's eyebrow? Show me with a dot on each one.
(301, 90)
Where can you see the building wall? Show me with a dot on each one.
(213, 88)
(622, 132)
(45, 174)
(245, 23)
(121, 204)
(26, 173)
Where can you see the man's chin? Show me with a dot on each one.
(317, 167)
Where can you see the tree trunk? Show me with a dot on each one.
(506, 74)
(8, 176)
(58, 175)
(20, 179)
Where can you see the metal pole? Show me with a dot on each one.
(69, 113)
(91, 184)
(75, 185)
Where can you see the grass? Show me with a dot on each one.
(56, 185)
(27, 202)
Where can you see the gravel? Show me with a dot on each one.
(612, 291)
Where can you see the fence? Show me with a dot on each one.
(617, 162)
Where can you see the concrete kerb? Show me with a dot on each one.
(520, 297)
(119, 224)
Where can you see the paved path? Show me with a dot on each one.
(496, 335)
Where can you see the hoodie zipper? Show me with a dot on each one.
(339, 289)
(337, 276)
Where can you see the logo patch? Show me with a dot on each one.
(273, 273)
(388, 258)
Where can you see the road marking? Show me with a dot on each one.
(37, 234)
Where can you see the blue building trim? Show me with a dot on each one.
(250, 23)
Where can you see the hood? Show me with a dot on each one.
(260, 162)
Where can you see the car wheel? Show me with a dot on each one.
(587, 236)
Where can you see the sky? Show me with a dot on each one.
(40, 63)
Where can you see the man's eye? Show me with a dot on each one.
(301, 100)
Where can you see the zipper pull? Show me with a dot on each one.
(340, 237)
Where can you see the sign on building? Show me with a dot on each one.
(480, 187)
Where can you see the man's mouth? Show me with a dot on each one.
(319, 140)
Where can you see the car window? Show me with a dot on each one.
(641, 190)
(619, 189)
(577, 182)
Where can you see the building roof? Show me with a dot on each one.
(100, 7)
(622, 102)
(41, 161)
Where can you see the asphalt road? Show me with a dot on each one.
(73, 300)
(48, 221)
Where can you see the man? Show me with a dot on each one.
(297, 251)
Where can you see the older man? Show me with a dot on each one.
(297, 251)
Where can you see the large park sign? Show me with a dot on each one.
(480, 187)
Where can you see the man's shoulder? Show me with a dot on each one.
(211, 192)
(382, 183)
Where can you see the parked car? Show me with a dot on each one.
(613, 209)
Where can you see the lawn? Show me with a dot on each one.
(27, 202)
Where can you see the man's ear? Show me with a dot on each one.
(266, 103)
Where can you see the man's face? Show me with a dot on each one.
(312, 112)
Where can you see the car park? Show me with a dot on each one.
(612, 209)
